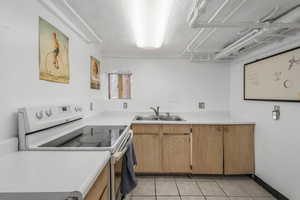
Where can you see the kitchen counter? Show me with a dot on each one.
(127, 118)
(50, 172)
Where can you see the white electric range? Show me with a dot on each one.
(63, 128)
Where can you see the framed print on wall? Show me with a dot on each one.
(95, 73)
(53, 53)
(274, 78)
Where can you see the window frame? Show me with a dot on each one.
(109, 85)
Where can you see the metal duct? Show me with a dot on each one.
(250, 38)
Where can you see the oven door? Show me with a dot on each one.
(116, 167)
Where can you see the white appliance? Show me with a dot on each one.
(63, 128)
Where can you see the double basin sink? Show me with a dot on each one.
(158, 118)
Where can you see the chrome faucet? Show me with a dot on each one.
(155, 110)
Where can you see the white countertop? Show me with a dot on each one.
(51, 171)
(127, 118)
(63, 172)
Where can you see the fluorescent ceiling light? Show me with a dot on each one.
(149, 20)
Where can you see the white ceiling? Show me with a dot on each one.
(111, 20)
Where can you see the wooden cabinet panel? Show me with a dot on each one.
(148, 152)
(176, 128)
(142, 128)
(239, 149)
(98, 189)
(207, 149)
(176, 153)
(105, 195)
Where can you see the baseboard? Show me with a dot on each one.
(269, 188)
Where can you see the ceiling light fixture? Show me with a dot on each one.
(150, 19)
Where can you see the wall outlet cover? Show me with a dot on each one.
(125, 105)
(91, 106)
(201, 105)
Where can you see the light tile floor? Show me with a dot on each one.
(198, 188)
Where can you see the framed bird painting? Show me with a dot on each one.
(274, 78)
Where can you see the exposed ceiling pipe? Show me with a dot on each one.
(199, 7)
(269, 15)
(292, 16)
(223, 21)
(212, 18)
(244, 41)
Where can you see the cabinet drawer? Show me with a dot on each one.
(139, 129)
(176, 128)
(98, 189)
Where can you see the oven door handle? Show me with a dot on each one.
(118, 155)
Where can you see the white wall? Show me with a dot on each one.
(19, 64)
(173, 84)
(276, 142)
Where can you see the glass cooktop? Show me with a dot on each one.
(90, 136)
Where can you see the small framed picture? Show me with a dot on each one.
(95, 73)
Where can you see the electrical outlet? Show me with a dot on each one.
(201, 105)
(125, 105)
(91, 106)
(276, 112)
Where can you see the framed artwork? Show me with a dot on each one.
(95, 73)
(274, 78)
(119, 86)
(53, 53)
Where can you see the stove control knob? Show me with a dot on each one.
(39, 115)
(48, 112)
(78, 109)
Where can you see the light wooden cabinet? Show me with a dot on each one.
(147, 146)
(176, 149)
(239, 149)
(207, 149)
(100, 189)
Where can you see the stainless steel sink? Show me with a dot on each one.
(159, 118)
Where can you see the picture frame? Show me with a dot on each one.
(273, 78)
(54, 63)
(95, 70)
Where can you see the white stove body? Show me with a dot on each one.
(36, 119)
(41, 125)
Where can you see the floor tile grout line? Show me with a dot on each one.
(178, 189)
(228, 197)
(155, 193)
(197, 184)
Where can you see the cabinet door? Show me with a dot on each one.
(147, 146)
(100, 186)
(176, 153)
(239, 149)
(207, 149)
(105, 195)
